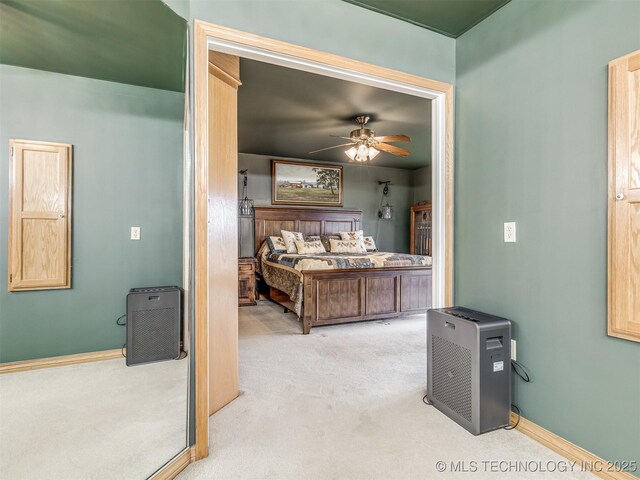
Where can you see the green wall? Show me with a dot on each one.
(336, 27)
(422, 184)
(531, 133)
(127, 172)
(361, 191)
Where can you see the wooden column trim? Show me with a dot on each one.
(223, 233)
(224, 76)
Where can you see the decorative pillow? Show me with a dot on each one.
(370, 244)
(276, 244)
(306, 248)
(311, 238)
(325, 241)
(290, 238)
(347, 246)
(351, 235)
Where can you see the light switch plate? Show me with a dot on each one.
(510, 232)
(135, 233)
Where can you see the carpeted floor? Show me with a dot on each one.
(94, 421)
(345, 402)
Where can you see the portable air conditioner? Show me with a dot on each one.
(469, 367)
(154, 323)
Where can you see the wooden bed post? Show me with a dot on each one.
(308, 301)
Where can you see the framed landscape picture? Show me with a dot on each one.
(298, 183)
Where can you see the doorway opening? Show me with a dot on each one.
(215, 203)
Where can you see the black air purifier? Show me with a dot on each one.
(469, 367)
(154, 323)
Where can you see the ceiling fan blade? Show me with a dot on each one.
(392, 149)
(393, 138)
(335, 146)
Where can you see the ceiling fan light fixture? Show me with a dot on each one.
(362, 153)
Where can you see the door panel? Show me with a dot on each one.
(40, 223)
(624, 197)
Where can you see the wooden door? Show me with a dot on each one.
(40, 216)
(224, 74)
(624, 197)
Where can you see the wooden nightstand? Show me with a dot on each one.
(246, 281)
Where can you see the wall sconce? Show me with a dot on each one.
(386, 210)
(246, 204)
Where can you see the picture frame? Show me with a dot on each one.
(302, 183)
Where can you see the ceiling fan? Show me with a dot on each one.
(365, 145)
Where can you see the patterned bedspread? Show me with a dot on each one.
(326, 261)
(285, 271)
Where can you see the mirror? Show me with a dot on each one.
(94, 376)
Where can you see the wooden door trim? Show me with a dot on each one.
(201, 282)
(203, 31)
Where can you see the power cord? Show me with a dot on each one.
(426, 401)
(521, 371)
(122, 325)
(524, 374)
(517, 409)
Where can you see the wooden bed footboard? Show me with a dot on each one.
(341, 296)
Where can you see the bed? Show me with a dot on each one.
(389, 285)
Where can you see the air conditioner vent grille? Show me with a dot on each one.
(451, 382)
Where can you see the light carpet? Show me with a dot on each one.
(94, 421)
(345, 402)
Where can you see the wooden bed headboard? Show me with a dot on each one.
(310, 221)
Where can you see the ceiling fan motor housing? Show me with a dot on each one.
(362, 134)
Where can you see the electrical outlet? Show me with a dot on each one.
(510, 232)
(135, 233)
(513, 349)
